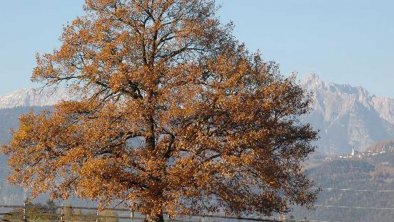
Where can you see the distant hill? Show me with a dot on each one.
(383, 146)
(354, 190)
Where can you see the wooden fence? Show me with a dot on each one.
(121, 215)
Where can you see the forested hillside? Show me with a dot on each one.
(355, 189)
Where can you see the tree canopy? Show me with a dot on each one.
(175, 116)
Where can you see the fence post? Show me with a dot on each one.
(24, 211)
(62, 213)
(132, 216)
(97, 215)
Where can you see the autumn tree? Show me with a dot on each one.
(175, 116)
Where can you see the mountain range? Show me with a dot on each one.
(346, 116)
(33, 98)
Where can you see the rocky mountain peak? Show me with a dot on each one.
(348, 116)
(33, 97)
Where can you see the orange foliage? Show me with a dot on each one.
(176, 116)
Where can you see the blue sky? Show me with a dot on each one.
(344, 41)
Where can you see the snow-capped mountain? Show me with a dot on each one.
(33, 97)
(348, 116)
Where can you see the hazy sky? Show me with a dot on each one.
(345, 41)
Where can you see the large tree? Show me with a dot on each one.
(175, 116)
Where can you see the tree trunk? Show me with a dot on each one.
(154, 218)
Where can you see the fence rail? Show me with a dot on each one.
(61, 217)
